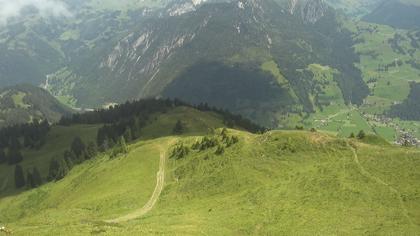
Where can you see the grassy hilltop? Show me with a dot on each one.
(277, 183)
(24, 103)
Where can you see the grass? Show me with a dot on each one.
(375, 49)
(102, 188)
(18, 100)
(195, 122)
(60, 138)
(272, 67)
(278, 183)
(374, 45)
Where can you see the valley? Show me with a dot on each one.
(210, 117)
(154, 58)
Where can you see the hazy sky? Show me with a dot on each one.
(47, 8)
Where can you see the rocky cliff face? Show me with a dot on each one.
(310, 11)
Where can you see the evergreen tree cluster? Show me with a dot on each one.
(180, 151)
(206, 143)
(78, 153)
(120, 148)
(232, 120)
(11, 157)
(361, 134)
(410, 108)
(216, 141)
(144, 108)
(32, 135)
(110, 134)
(121, 112)
(14, 138)
(33, 177)
(221, 141)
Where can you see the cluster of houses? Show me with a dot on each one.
(407, 139)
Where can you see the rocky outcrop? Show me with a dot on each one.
(309, 10)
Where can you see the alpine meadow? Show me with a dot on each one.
(210, 117)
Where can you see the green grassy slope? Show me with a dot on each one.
(271, 184)
(389, 62)
(60, 138)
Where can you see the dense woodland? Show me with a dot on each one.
(410, 108)
(15, 138)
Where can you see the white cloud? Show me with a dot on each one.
(47, 8)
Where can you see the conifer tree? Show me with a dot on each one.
(30, 180)
(123, 145)
(19, 177)
(62, 170)
(14, 143)
(36, 177)
(3, 157)
(179, 128)
(128, 136)
(78, 147)
(14, 156)
(91, 150)
(69, 158)
(361, 134)
(53, 170)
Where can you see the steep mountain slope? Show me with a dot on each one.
(24, 103)
(156, 59)
(151, 48)
(355, 8)
(275, 183)
(403, 14)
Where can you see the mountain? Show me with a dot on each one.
(157, 57)
(355, 8)
(202, 182)
(404, 14)
(155, 47)
(23, 103)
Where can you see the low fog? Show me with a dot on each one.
(13, 8)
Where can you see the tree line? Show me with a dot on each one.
(141, 109)
(14, 138)
(122, 123)
(410, 108)
(219, 142)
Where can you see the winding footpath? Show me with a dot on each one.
(380, 181)
(160, 180)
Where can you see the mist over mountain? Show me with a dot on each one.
(15, 10)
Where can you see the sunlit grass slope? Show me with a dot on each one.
(278, 183)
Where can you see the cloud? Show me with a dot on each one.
(46, 8)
